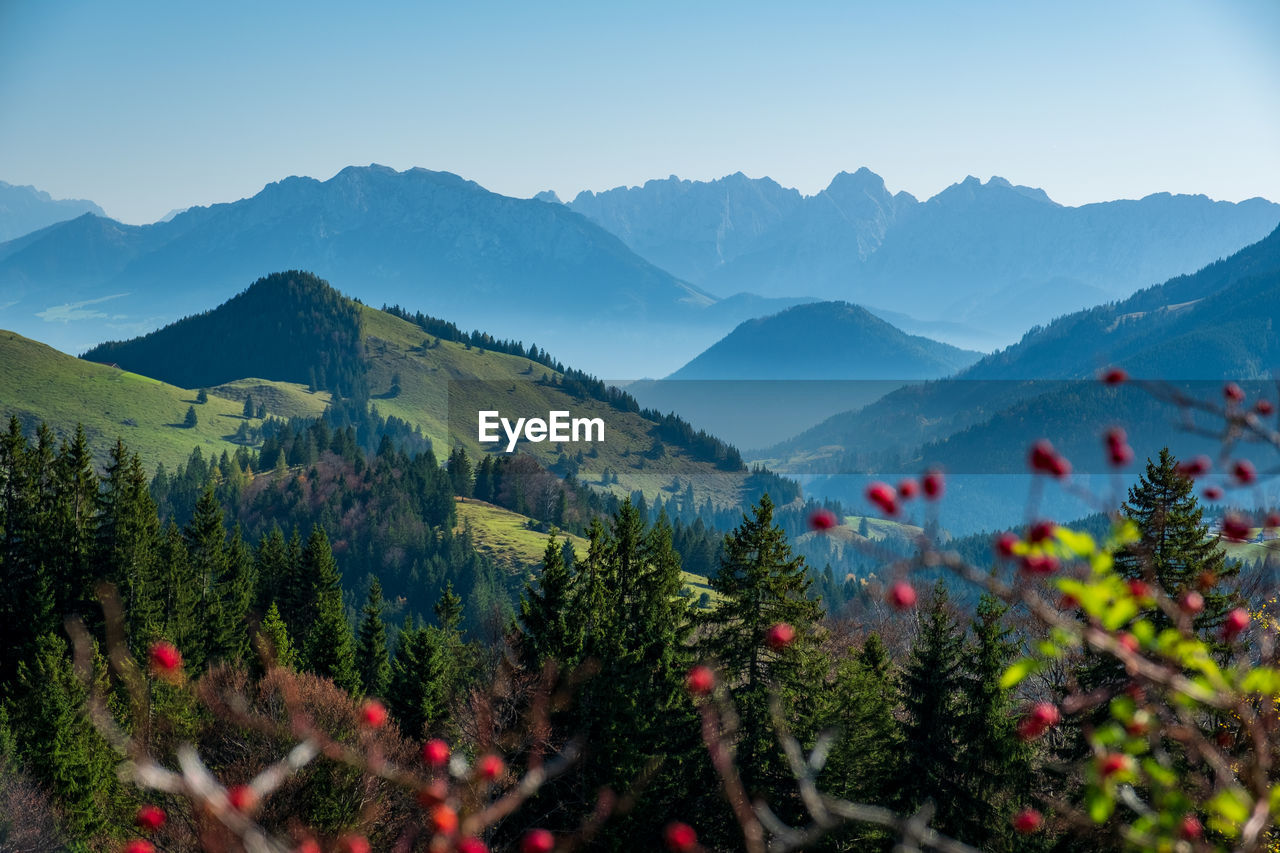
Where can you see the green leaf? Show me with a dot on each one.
(1099, 804)
(1228, 810)
(1017, 671)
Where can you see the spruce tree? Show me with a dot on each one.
(762, 584)
(61, 746)
(864, 760)
(248, 407)
(418, 694)
(549, 633)
(460, 472)
(329, 648)
(1175, 549)
(273, 633)
(929, 688)
(994, 763)
(233, 592)
(190, 419)
(372, 662)
(206, 539)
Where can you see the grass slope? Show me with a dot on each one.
(507, 539)
(39, 383)
(439, 390)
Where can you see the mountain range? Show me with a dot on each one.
(631, 282)
(993, 258)
(25, 209)
(1189, 334)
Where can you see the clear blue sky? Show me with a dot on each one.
(148, 106)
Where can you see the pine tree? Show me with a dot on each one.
(233, 592)
(460, 472)
(206, 538)
(1175, 549)
(994, 763)
(202, 396)
(371, 651)
(27, 594)
(549, 632)
(929, 687)
(61, 746)
(418, 694)
(762, 584)
(863, 762)
(329, 647)
(271, 568)
(190, 419)
(73, 532)
(248, 407)
(273, 633)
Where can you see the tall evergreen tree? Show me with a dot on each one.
(995, 771)
(206, 539)
(329, 648)
(460, 472)
(418, 694)
(371, 651)
(762, 584)
(549, 633)
(930, 686)
(275, 635)
(61, 746)
(233, 592)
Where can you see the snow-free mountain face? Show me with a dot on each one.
(25, 209)
(824, 340)
(993, 257)
(422, 238)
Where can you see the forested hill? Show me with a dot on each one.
(288, 326)
(424, 374)
(824, 340)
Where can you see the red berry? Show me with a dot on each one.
(780, 636)
(242, 798)
(1233, 392)
(1235, 527)
(165, 658)
(933, 484)
(1045, 460)
(884, 497)
(1041, 531)
(472, 845)
(1191, 602)
(354, 844)
(1113, 763)
(700, 681)
(434, 794)
(1027, 821)
(908, 489)
(1005, 544)
(1244, 472)
(1139, 589)
(822, 520)
(1039, 564)
(150, 818)
(1115, 376)
(1196, 467)
(1128, 642)
(1263, 407)
(902, 595)
(1192, 829)
(444, 820)
(308, 845)
(435, 752)
(680, 837)
(1211, 493)
(1068, 602)
(537, 841)
(139, 845)
(490, 767)
(1042, 717)
(1118, 449)
(1237, 620)
(373, 714)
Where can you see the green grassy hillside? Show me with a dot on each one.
(439, 389)
(38, 383)
(508, 539)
